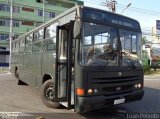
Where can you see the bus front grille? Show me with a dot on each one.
(115, 85)
(112, 80)
(108, 91)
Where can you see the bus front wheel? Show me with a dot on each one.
(47, 94)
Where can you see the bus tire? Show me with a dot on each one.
(47, 94)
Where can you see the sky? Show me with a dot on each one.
(145, 11)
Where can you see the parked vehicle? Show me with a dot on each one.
(155, 56)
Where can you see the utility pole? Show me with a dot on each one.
(111, 5)
(44, 5)
(11, 33)
(43, 11)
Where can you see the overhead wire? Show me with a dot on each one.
(135, 9)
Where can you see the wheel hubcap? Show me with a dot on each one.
(50, 93)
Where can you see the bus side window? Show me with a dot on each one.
(28, 43)
(17, 46)
(50, 31)
(52, 44)
(49, 44)
(37, 41)
(37, 46)
(38, 35)
(134, 43)
(45, 45)
(13, 48)
(22, 45)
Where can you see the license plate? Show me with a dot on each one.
(119, 101)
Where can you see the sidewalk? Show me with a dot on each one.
(4, 70)
(152, 77)
(153, 74)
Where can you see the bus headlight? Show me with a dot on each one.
(90, 91)
(95, 90)
(138, 86)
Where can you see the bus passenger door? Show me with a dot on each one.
(63, 68)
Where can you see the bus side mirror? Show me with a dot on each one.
(77, 30)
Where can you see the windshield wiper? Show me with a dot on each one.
(109, 60)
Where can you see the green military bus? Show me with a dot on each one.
(84, 59)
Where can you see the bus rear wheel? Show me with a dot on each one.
(47, 94)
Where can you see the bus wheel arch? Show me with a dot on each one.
(19, 82)
(46, 77)
(16, 71)
(47, 94)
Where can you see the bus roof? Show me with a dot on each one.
(110, 18)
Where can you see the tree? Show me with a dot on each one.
(144, 40)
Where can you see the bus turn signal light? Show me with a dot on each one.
(80, 92)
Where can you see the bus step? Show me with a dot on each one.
(65, 104)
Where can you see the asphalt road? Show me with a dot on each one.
(25, 101)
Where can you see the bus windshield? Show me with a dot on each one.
(129, 41)
(100, 45)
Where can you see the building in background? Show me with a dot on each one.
(155, 35)
(27, 14)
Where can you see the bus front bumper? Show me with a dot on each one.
(85, 104)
